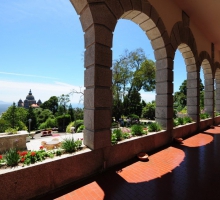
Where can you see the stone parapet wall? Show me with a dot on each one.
(17, 141)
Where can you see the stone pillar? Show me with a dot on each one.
(98, 24)
(209, 96)
(164, 90)
(217, 95)
(193, 94)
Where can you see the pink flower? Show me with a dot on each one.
(41, 147)
(1, 157)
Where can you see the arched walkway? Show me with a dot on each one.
(98, 22)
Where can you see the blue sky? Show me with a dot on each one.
(42, 47)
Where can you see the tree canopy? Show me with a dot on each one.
(131, 73)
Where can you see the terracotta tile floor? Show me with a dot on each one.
(190, 170)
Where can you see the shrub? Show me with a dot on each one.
(153, 127)
(11, 130)
(78, 123)
(180, 120)
(81, 128)
(188, 119)
(69, 145)
(12, 157)
(175, 122)
(113, 139)
(114, 124)
(71, 124)
(133, 116)
(43, 126)
(204, 115)
(217, 113)
(137, 130)
(118, 133)
(50, 123)
(148, 111)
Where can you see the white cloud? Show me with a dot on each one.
(27, 75)
(11, 91)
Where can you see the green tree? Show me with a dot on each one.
(148, 111)
(15, 117)
(51, 104)
(63, 100)
(71, 112)
(31, 115)
(131, 73)
(180, 97)
(42, 115)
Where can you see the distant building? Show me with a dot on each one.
(29, 101)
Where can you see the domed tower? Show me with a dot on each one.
(39, 102)
(29, 100)
(20, 103)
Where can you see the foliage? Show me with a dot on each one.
(42, 126)
(31, 115)
(63, 100)
(11, 130)
(12, 158)
(78, 113)
(2, 160)
(118, 134)
(133, 117)
(137, 130)
(50, 123)
(63, 121)
(14, 117)
(4, 125)
(180, 97)
(131, 73)
(217, 113)
(42, 115)
(51, 104)
(70, 145)
(80, 128)
(77, 124)
(148, 111)
(154, 126)
(188, 119)
(204, 116)
(175, 122)
(71, 124)
(114, 139)
(182, 120)
(30, 157)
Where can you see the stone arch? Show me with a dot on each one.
(143, 14)
(181, 38)
(98, 21)
(206, 65)
(217, 87)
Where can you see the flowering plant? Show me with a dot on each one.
(2, 160)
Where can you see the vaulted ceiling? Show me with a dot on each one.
(206, 15)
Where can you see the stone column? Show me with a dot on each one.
(193, 94)
(164, 90)
(98, 24)
(217, 95)
(209, 96)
